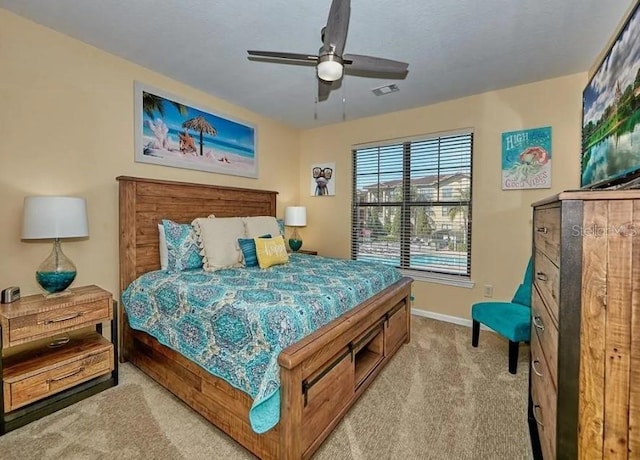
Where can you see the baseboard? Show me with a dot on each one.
(445, 318)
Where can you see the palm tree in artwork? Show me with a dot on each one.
(202, 126)
(152, 103)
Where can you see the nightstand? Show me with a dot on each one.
(308, 252)
(53, 354)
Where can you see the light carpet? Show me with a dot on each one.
(438, 398)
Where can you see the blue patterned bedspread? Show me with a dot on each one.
(235, 322)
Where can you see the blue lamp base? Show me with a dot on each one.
(57, 272)
(54, 282)
(295, 244)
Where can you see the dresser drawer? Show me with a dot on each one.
(546, 278)
(546, 232)
(45, 323)
(38, 374)
(545, 334)
(544, 398)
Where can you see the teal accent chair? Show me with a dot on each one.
(511, 320)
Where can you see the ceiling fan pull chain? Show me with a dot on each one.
(315, 109)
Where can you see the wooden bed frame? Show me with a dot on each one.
(321, 376)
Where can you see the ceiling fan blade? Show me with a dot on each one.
(359, 62)
(280, 55)
(324, 88)
(335, 34)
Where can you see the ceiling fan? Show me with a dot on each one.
(330, 62)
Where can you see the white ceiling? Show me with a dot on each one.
(454, 48)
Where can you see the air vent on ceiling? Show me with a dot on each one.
(392, 88)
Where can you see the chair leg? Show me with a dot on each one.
(513, 356)
(475, 333)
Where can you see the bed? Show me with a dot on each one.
(321, 376)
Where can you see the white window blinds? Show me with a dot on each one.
(412, 204)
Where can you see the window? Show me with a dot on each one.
(412, 204)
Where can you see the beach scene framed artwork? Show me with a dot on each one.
(173, 132)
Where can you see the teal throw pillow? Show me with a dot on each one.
(248, 248)
(183, 252)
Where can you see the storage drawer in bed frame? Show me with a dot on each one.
(328, 392)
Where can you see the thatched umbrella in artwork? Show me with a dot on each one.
(202, 126)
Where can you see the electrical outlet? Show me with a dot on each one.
(488, 290)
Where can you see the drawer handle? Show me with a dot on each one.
(59, 341)
(71, 374)
(535, 369)
(542, 276)
(542, 230)
(61, 319)
(535, 417)
(537, 322)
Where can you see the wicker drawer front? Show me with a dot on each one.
(31, 327)
(19, 393)
(546, 232)
(545, 333)
(544, 397)
(547, 279)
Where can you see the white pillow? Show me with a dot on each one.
(162, 246)
(261, 225)
(218, 238)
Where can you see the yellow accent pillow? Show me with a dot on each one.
(271, 251)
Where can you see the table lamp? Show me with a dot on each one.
(295, 216)
(54, 217)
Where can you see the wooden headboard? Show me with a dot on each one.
(145, 202)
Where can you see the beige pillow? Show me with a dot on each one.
(261, 225)
(218, 238)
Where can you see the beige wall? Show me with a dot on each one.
(501, 228)
(66, 127)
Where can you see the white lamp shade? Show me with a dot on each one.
(295, 216)
(54, 217)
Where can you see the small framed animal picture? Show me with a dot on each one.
(323, 179)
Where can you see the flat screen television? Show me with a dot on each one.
(611, 113)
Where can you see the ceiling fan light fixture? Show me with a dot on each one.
(331, 60)
(329, 67)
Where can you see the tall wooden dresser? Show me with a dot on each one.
(584, 398)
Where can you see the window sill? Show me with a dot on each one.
(449, 280)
